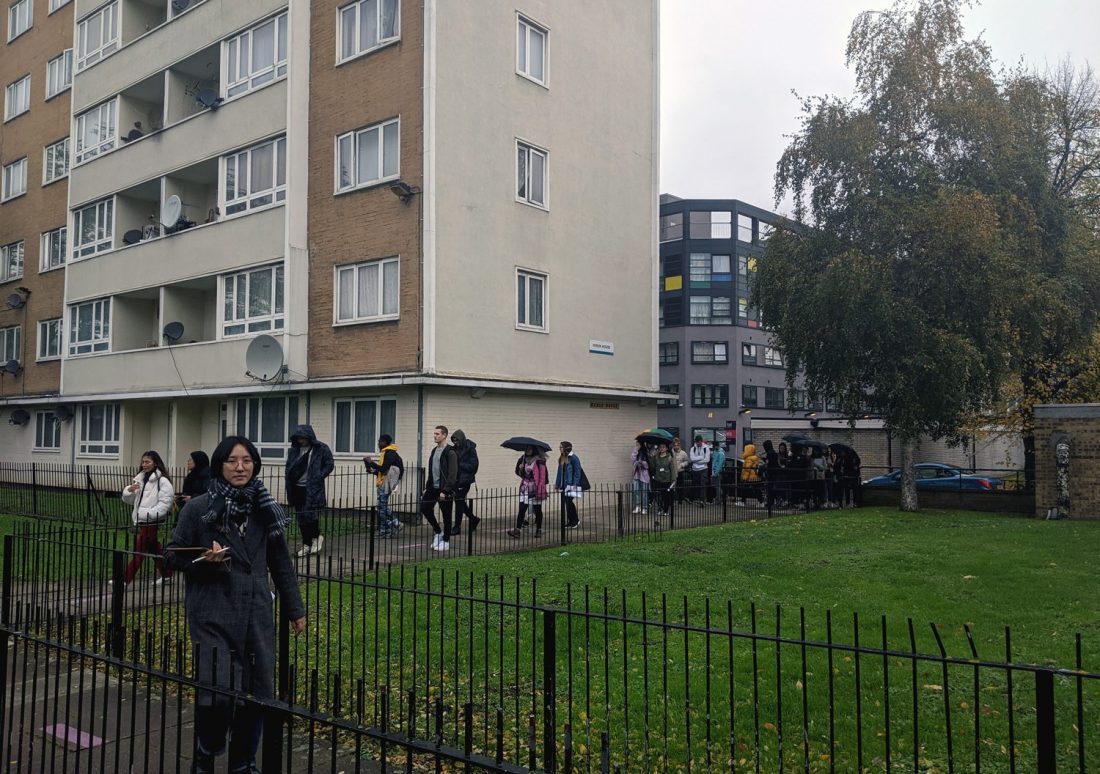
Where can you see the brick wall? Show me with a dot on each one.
(1081, 423)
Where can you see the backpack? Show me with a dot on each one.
(395, 462)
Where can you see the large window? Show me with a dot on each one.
(96, 36)
(15, 179)
(748, 354)
(707, 269)
(90, 327)
(796, 399)
(746, 315)
(99, 429)
(93, 228)
(47, 431)
(746, 264)
(9, 343)
(672, 227)
(669, 389)
(256, 56)
(708, 352)
(53, 249)
(20, 18)
(55, 4)
(49, 339)
(96, 130)
(749, 395)
(17, 98)
(710, 225)
(773, 397)
(531, 50)
(368, 291)
(669, 353)
(531, 174)
(359, 421)
(531, 300)
(255, 177)
(268, 423)
(710, 395)
(773, 357)
(368, 24)
(368, 156)
(11, 261)
(253, 301)
(55, 161)
(710, 310)
(59, 73)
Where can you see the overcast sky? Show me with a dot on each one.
(728, 68)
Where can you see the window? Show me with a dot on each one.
(47, 431)
(531, 51)
(368, 291)
(9, 343)
(268, 422)
(669, 389)
(530, 300)
(255, 177)
(368, 156)
(710, 310)
(93, 228)
(773, 357)
(253, 301)
(11, 261)
(709, 225)
(256, 56)
(746, 264)
(672, 227)
(669, 353)
(709, 352)
(17, 98)
(773, 397)
(748, 395)
(746, 315)
(49, 339)
(531, 183)
(96, 36)
(20, 18)
(55, 4)
(99, 431)
(59, 73)
(90, 327)
(796, 399)
(710, 395)
(15, 179)
(748, 354)
(746, 225)
(707, 268)
(366, 25)
(96, 130)
(359, 422)
(55, 162)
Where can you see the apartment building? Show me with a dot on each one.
(713, 353)
(36, 72)
(435, 210)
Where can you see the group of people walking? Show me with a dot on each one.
(810, 476)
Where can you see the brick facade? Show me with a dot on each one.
(1081, 424)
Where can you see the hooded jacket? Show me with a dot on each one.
(467, 458)
(152, 502)
(389, 469)
(197, 481)
(320, 465)
(749, 472)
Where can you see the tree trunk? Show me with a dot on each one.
(1029, 461)
(908, 479)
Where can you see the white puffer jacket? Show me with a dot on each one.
(152, 502)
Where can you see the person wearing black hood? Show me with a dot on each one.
(307, 466)
(467, 473)
(772, 471)
(198, 477)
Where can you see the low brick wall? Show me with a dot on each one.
(1022, 503)
(1080, 423)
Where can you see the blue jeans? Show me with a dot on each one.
(641, 494)
(386, 519)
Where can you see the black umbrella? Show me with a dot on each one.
(796, 438)
(841, 448)
(521, 442)
(808, 443)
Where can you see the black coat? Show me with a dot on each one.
(467, 462)
(232, 611)
(320, 465)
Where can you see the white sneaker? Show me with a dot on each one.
(645, 511)
(435, 540)
(442, 545)
(305, 550)
(318, 544)
(637, 509)
(160, 581)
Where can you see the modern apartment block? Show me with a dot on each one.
(36, 72)
(713, 353)
(435, 209)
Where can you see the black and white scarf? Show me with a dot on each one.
(235, 503)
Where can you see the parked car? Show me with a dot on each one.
(938, 477)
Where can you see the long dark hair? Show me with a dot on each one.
(225, 448)
(158, 464)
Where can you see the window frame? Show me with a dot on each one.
(101, 316)
(11, 340)
(82, 154)
(251, 422)
(251, 200)
(693, 320)
(523, 68)
(343, 56)
(700, 359)
(46, 246)
(771, 391)
(232, 47)
(352, 403)
(68, 82)
(44, 338)
(79, 250)
(663, 359)
(354, 138)
(47, 166)
(41, 418)
(749, 353)
(710, 396)
(7, 193)
(26, 5)
(754, 402)
(773, 357)
(544, 278)
(354, 269)
(107, 45)
(18, 87)
(110, 444)
(670, 389)
(252, 324)
(529, 149)
(20, 246)
(57, 5)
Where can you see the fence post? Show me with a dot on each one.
(619, 509)
(34, 488)
(722, 495)
(88, 491)
(118, 588)
(1044, 721)
(561, 516)
(372, 519)
(274, 722)
(5, 622)
(549, 692)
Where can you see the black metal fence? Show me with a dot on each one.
(416, 669)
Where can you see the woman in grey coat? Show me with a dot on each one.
(226, 542)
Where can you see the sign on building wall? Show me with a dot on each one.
(601, 347)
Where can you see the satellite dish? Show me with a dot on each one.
(16, 301)
(180, 6)
(132, 237)
(62, 412)
(13, 367)
(173, 331)
(264, 358)
(171, 211)
(19, 417)
(208, 98)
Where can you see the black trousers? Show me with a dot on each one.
(244, 724)
(427, 508)
(569, 505)
(463, 505)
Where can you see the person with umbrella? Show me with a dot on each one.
(639, 478)
(531, 469)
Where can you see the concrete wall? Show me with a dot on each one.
(1080, 425)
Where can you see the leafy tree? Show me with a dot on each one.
(937, 250)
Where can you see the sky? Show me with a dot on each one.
(728, 69)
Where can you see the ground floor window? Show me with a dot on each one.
(47, 431)
(99, 429)
(268, 423)
(359, 422)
